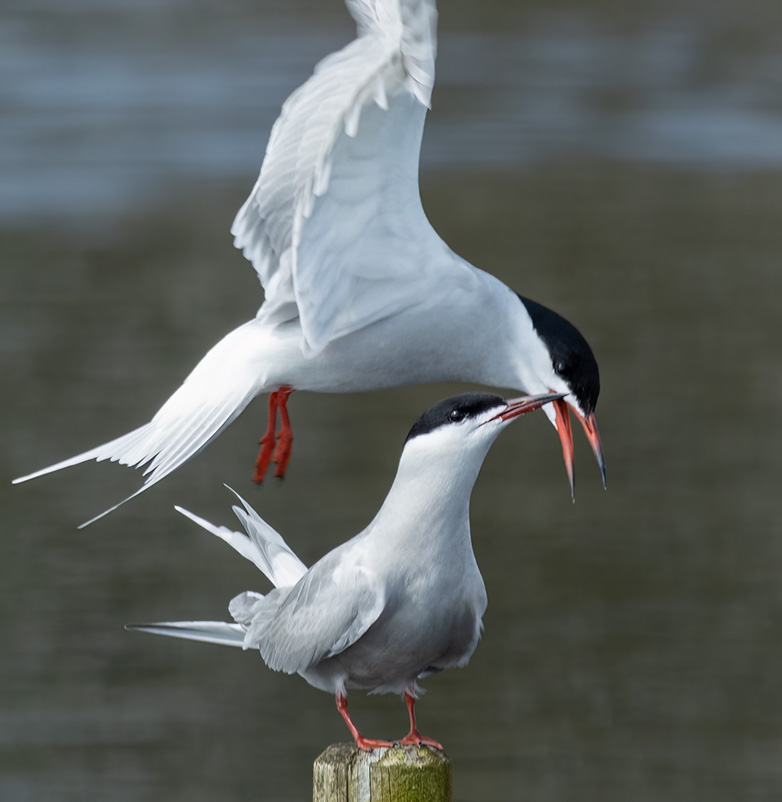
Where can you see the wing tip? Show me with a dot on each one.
(58, 466)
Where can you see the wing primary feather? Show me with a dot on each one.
(238, 541)
(262, 545)
(285, 569)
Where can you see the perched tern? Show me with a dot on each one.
(360, 291)
(401, 600)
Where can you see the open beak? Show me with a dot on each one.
(589, 423)
(593, 435)
(527, 403)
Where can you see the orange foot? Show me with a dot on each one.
(368, 744)
(282, 454)
(284, 439)
(415, 738)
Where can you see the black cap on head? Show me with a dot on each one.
(454, 410)
(571, 356)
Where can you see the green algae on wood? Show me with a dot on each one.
(343, 773)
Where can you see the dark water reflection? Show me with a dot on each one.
(632, 646)
(108, 102)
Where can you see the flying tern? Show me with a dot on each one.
(360, 291)
(401, 600)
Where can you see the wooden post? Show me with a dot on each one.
(343, 773)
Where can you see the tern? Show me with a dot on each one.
(360, 291)
(398, 602)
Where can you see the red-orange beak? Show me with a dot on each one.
(593, 435)
(566, 438)
(527, 403)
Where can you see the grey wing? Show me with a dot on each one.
(330, 608)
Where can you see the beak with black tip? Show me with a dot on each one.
(565, 432)
(593, 435)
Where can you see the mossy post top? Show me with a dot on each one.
(344, 773)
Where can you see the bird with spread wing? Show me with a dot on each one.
(360, 291)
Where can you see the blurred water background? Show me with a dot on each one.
(621, 163)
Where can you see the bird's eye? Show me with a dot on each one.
(456, 415)
(561, 367)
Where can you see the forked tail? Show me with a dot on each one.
(219, 632)
(221, 385)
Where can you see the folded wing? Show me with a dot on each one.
(330, 608)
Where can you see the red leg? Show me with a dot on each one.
(366, 744)
(282, 454)
(414, 737)
(267, 441)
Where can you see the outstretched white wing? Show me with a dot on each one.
(332, 219)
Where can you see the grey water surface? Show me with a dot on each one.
(621, 165)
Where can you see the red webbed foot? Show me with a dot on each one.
(368, 744)
(414, 738)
